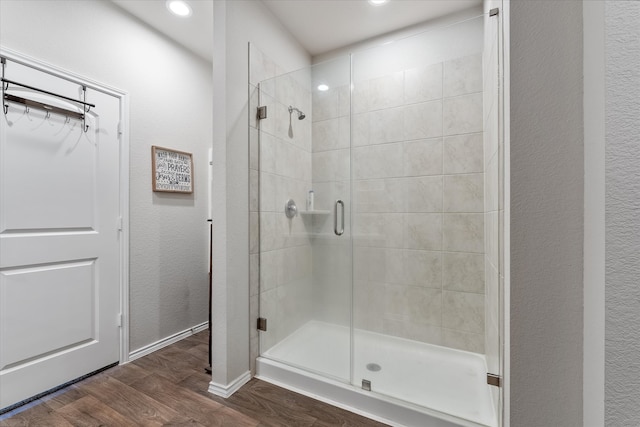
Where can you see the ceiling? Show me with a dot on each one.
(319, 25)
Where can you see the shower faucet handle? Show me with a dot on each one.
(290, 209)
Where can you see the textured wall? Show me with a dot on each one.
(622, 121)
(546, 213)
(168, 88)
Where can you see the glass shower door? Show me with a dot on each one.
(418, 168)
(391, 280)
(305, 253)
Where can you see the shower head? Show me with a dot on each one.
(301, 115)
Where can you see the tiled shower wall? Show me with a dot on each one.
(280, 169)
(418, 198)
(418, 205)
(331, 141)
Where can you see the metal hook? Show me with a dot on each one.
(67, 120)
(26, 109)
(47, 116)
(5, 108)
(84, 99)
(85, 126)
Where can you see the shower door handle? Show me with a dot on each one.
(335, 218)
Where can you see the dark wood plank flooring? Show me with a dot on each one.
(169, 388)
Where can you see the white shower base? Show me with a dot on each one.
(430, 385)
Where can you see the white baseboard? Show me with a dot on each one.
(155, 346)
(227, 390)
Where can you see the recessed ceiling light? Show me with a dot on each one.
(378, 2)
(323, 87)
(179, 8)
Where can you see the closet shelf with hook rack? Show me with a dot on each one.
(86, 106)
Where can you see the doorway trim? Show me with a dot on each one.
(123, 130)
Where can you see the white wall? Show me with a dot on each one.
(236, 23)
(622, 207)
(546, 213)
(169, 90)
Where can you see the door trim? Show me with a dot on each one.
(123, 98)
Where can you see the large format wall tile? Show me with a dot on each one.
(422, 268)
(463, 232)
(423, 84)
(423, 157)
(413, 331)
(379, 195)
(462, 114)
(325, 105)
(423, 120)
(325, 135)
(463, 76)
(461, 340)
(377, 161)
(422, 193)
(423, 231)
(369, 303)
(330, 134)
(463, 272)
(402, 266)
(415, 304)
(360, 130)
(463, 311)
(360, 96)
(344, 100)
(464, 193)
(268, 154)
(378, 230)
(463, 154)
(386, 92)
(386, 125)
(331, 166)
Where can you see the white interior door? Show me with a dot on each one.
(59, 238)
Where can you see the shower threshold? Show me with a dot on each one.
(412, 383)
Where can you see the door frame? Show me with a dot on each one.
(123, 130)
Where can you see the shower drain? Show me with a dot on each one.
(373, 367)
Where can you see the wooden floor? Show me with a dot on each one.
(169, 388)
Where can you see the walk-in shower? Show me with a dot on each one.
(385, 297)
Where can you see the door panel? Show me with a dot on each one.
(59, 238)
(56, 187)
(31, 290)
(306, 261)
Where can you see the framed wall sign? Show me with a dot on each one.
(172, 170)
